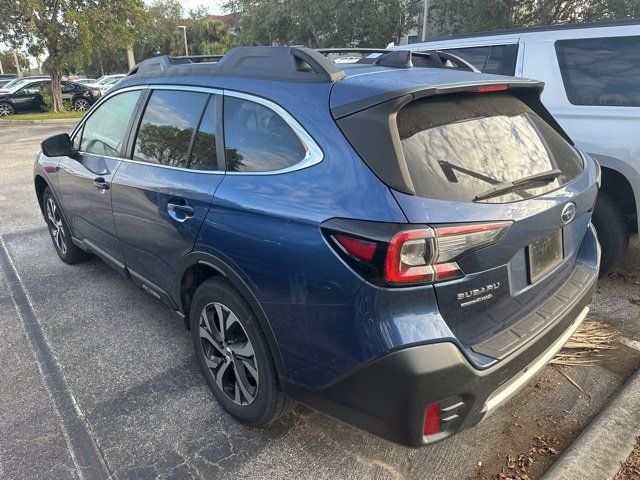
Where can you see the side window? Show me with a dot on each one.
(77, 139)
(476, 56)
(601, 71)
(204, 154)
(104, 131)
(257, 139)
(66, 87)
(167, 126)
(502, 60)
(31, 88)
(496, 59)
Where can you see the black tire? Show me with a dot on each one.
(6, 109)
(268, 402)
(59, 231)
(612, 231)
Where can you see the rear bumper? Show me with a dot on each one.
(389, 396)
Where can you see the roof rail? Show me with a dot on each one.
(405, 58)
(292, 64)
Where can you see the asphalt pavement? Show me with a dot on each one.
(98, 379)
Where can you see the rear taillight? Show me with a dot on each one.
(386, 254)
(428, 255)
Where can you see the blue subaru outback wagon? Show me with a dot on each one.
(400, 243)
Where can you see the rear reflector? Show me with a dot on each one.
(491, 88)
(432, 420)
(362, 249)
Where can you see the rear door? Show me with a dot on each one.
(84, 181)
(163, 193)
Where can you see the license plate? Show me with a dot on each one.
(544, 254)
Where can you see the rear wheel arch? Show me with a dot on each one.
(196, 268)
(618, 188)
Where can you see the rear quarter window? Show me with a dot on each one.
(601, 71)
(458, 146)
(257, 139)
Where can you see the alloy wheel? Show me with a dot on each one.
(228, 353)
(56, 227)
(80, 105)
(5, 110)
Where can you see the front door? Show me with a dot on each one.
(161, 198)
(85, 179)
(28, 98)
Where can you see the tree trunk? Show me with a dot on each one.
(56, 91)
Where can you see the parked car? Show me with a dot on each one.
(20, 80)
(6, 78)
(104, 79)
(26, 97)
(401, 245)
(592, 78)
(108, 85)
(85, 81)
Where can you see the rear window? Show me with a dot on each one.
(459, 146)
(601, 71)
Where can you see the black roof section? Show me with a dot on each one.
(289, 64)
(541, 28)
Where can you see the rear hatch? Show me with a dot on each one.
(460, 157)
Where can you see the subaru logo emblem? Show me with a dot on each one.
(568, 212)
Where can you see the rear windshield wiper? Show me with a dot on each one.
(539, 179)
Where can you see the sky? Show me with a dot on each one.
(215, 6)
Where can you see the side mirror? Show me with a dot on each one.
(57, 145)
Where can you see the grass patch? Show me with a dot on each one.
(43, 116)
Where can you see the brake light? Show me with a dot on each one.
(428, 255)
(432, 422)
(362, 249)
(491, 88)
(385, 255)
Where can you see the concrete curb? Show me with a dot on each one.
(606, 442)
(50, 121)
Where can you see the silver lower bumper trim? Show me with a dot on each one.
(505, 392)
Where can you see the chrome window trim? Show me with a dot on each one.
(313, 153)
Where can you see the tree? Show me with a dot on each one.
(8, 63)
(324, 23)
(462, 16)
(160, 35)
(68, 30)
(208, 36)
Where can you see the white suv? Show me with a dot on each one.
(592, 87)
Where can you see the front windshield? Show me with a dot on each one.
(100, 79)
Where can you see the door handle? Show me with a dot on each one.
(179, 210)
(101, 184)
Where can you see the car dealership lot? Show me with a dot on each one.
(82, 336)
